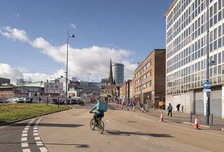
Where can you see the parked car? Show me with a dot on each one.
(3, 100)
(28, 100)
(20, 100)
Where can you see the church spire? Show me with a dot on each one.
(110, 81)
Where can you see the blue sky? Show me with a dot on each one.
(33, 36)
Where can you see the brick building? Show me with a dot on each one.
(148, 86)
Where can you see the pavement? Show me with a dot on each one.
(181, 117)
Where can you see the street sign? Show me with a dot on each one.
(207, 85)
(206, 90)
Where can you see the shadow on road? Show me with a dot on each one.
(34, 143)
(127, 133)
(77, 145)
(50, 125)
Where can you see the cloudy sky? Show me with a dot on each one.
(33, 36)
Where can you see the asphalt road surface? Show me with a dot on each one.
(125, 131)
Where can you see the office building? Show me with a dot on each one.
(186, 54)
(118, 73)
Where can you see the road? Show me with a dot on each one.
(125, 131)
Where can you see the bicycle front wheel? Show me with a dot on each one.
(101, 127)
(92, 124)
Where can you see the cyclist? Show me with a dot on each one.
(98, 114)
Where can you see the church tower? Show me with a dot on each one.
(110, 80)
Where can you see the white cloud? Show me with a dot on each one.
(82, 61)
(14, 34)
(8, 72)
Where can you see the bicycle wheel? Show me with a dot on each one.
(92, 124)
(101, 127)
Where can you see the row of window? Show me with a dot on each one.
(198, 27)
(148, 64)
(188, 16)
(144, 77)
(144, 86)
(184, 88)
(215, 42)
(177, 10)
(199, 66)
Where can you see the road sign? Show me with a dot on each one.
(206, 90)
(207, 85)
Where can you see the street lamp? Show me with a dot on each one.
(66, 79)
(207, 94)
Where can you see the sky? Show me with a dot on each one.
(33, 37)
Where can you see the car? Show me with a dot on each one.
(28, 100)
(20, 100)
(3, 100)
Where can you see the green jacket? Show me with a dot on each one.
(97, 111)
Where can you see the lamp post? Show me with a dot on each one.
(66, 79)
(207, 94)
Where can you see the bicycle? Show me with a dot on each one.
(100, 125)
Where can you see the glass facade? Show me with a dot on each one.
(186, 42)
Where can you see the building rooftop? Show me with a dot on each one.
(170, 8)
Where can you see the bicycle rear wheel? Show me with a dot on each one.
(100, 127)
(92, 124)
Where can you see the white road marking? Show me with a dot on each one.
(43, 149)
(24, 139)
(34, 131)
(25, 131)
(26, 150)
(37, 138)
(39, 143)
(24, 142)
(35, 134)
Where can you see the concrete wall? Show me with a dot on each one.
(186, 100)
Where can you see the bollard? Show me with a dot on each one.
(211, 124)
(58, 102)
(191, 114)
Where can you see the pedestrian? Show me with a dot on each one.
(178, 107)
(170, 108)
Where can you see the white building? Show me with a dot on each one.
(186, 48)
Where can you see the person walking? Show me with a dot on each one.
(178, 107)
(170, 108)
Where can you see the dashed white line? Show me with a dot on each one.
(26, 150)
(25, 131)
(24, 139)
(24, 142)
(35, 131)
(39, 143)
(35, 134)
(37, 138)
(43, 149)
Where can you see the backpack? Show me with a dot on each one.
(170, 107)
(102, 106)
